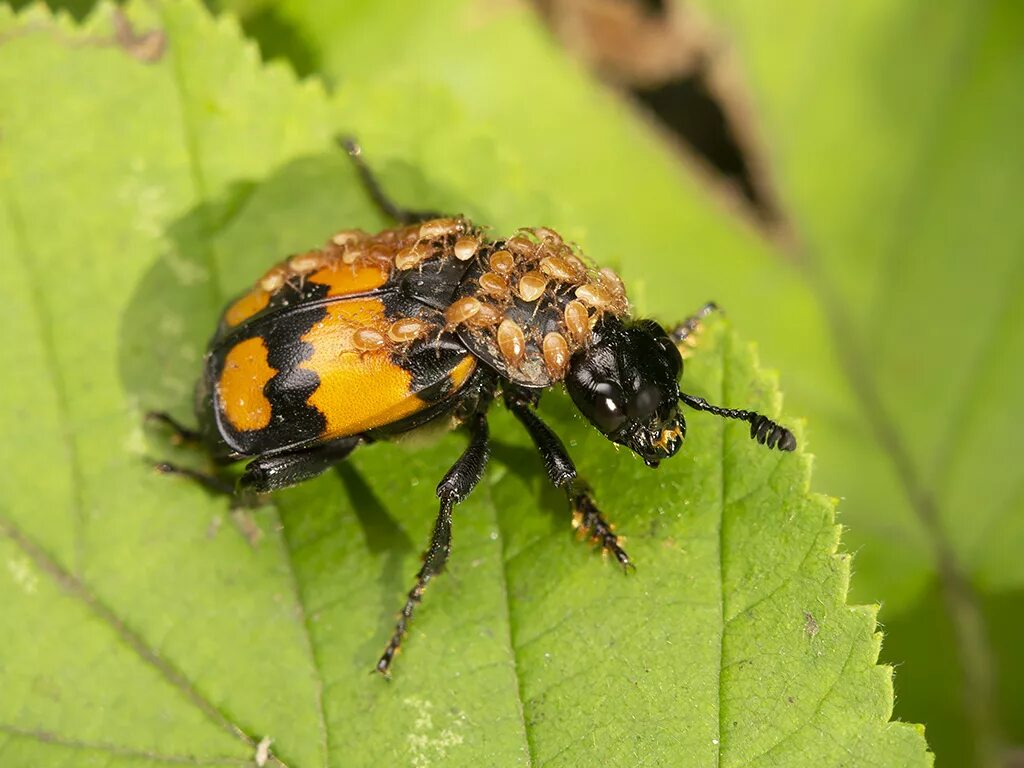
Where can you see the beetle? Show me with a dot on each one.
(376, 335)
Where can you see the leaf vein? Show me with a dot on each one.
(721, 563)
(49, 345)
(513, 648)
(78, 589)
(307, 634)
(817, 709)
(46, 737)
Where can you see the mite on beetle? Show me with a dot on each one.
(375, 335)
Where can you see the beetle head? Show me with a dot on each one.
(627, 384)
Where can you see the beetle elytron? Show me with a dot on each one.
(373, 336)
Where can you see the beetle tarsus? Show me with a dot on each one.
(414, 598)
(587, 518)
(685, 334)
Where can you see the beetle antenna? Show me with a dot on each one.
(762, 429)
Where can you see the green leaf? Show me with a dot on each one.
(141, 185)
(890, 127)
(889, 130)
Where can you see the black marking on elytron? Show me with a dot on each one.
(291, 294)
(431, 360)
(293, 421)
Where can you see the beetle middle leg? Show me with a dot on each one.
(263, 475)
(562, 473)
(376, 192)
(456, 486)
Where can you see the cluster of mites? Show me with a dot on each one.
(532, 264)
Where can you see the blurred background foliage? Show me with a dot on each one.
(856, 173)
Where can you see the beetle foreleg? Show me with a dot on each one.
(562, 473)
(685, 334)
(587, 517)
(457, 484)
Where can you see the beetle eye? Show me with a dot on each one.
(646, 402)
(609, 410)
(671, 353)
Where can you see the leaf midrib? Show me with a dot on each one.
(721, 553)
(507, 603)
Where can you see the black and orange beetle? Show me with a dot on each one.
(373, 336)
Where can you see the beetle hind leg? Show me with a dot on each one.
(262, 475)
(215, 484)
(180, 434)
(270, 473)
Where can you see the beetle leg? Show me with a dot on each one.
(182, 435)
(456, 486)
(262, 476)
(562, 473)
(587, 517)
(762, 429)
(685, 334)
(214, 484)
(376, 192)
(270, 473)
